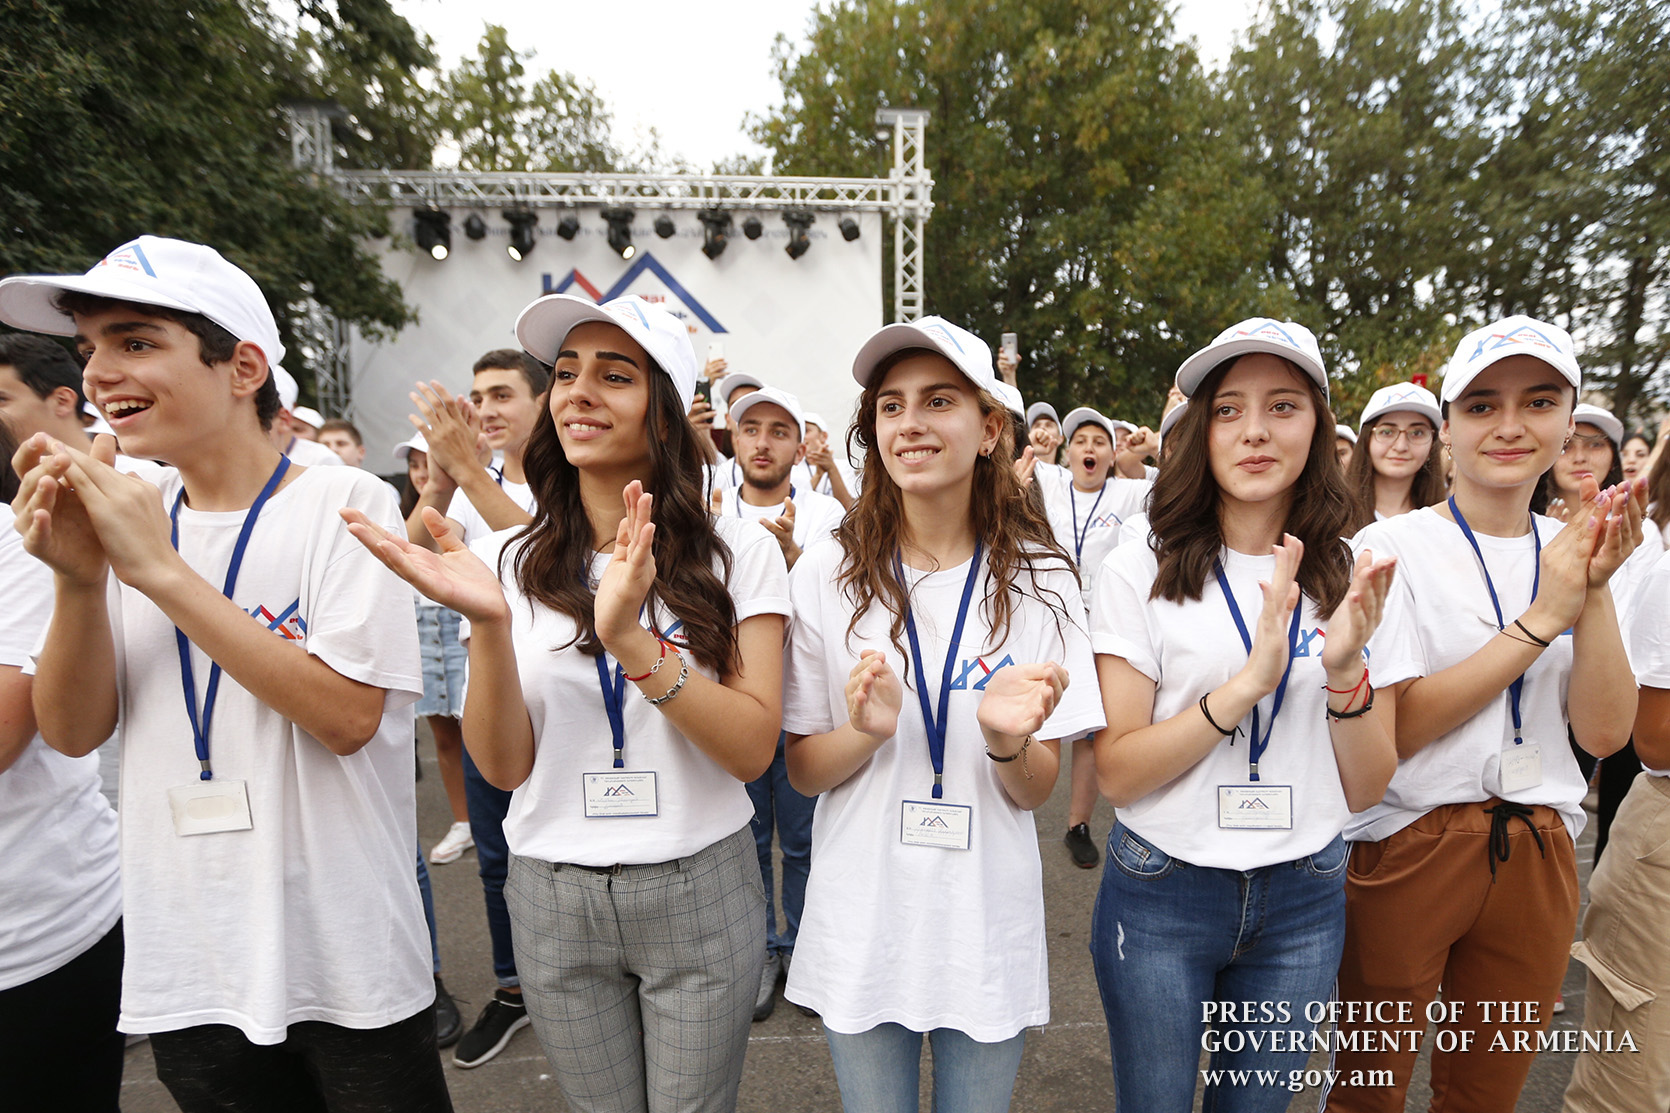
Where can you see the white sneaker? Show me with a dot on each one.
(450, 849)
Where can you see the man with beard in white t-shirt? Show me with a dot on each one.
(768, 436)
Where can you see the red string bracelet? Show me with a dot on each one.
(663, 657)
(1353, 690)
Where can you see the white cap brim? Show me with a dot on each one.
(773, 396)
(545, 323)
(26, 301)
(1082, 416)
(1346, 432)
(973, 359)
(1041, 409)
(1603, 420)
(1198, 366)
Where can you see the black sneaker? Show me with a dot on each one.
(500, 1020)
(1079, 845)
(448, 1024)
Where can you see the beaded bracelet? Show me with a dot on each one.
(678, 685)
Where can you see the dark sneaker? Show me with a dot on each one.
(504, 1015)
(448, 1024)
(1079, 845)
(765, 1001)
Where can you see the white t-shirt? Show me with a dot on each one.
(1087, 524)
(815, 515)
(1647, 632)
(313, 913)
(699, 803)
(1438, 613)
(60, 888)
(922, 936)
(1134, 528)
(312, 454)
(1189, 648)
(1626, 581)
(463, 511)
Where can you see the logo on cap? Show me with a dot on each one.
(1269, 330)
(1523, 335)
(942, 333)
(130, 257)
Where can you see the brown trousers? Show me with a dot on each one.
(1422, 911)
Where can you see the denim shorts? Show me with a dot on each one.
(443, 661)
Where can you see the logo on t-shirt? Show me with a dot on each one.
(1302, 647)
(288, 625)
(986, 673)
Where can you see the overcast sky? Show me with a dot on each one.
(691, 71)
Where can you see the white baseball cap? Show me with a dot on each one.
(307, 415)
(545, 323)
(1291, 341)
(1602, 420)
(1401, 398)
(1041, 409)
(1345, 432)
(288, 389)
(967, 352)
(1511, 336)
(775, 396)
(735, 381)
(414, 442)
(816, 419)
(1170, 420)
(152, 270)
(1010, 396)
(1125, 425)
(1082, 416)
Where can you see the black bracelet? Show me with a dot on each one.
(1025, 742)
(1368, 706)
(1530, 635)
(1214, 722)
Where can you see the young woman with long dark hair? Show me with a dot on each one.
(926, 693)
(1500, 633)
(1242, 730)
(1395, 468)
(636, 905)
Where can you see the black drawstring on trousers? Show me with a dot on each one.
(1500, 848)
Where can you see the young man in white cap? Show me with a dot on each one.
(507, 396)
(263, 667)
(767, 433)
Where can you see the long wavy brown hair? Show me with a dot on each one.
(1187, 535)
(1425, 486)
(1012, 527)
(553, 567)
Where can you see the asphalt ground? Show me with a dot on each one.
(1066, 1068)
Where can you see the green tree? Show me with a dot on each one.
(1355, 112)
(1078, 199)
(499, 121)
(118, 119)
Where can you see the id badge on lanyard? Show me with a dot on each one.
(1520, 766)
(208, 806)
(935, 823)
(1257, 806)
(617, 793)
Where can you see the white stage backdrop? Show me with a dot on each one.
(795, 323)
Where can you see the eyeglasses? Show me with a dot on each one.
(1418, 434)
(1591, 443)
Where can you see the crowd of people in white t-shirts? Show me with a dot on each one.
(1345, 687)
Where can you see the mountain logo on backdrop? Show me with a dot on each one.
(675, 299)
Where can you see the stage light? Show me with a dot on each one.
(849, 228)
(524, 225)
(620, 231)
(752, 227)
(569, 226)
(798, 220)
(433, 232)
(716, 232)
(475, 227)
(664, 227)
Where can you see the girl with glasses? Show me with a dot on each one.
(1396, 466)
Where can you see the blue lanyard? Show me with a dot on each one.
(1259, 743)
(614, 693)
(1517, 688)
(1078, 537)
(738, 491)
(497, 474)
(200, 726)
(935, 725)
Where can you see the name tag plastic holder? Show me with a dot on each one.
(1259, 807)
(210, 807)
(618, 794)
(944, 826)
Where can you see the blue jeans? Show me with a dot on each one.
(1169, 939)
(776, 803)
(879, 1071)
(427, 891)
(487, 806)
(443, 661)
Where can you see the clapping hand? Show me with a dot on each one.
(874, 696)
(453, 577)
(1017, 701)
